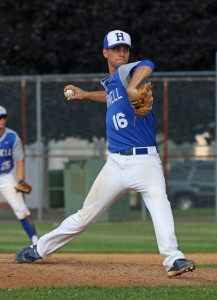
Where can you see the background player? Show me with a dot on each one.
(11, 154)
(133, 162)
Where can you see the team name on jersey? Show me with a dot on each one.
(5, 152)
(113, 96)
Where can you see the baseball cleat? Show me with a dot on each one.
(181, 266)
(27, 255)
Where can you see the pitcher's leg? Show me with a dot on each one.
(106, 188)
(153, 191)
(161, 214)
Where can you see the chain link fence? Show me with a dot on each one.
(56, 133)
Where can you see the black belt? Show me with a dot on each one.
(137, 151)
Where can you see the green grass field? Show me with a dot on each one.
(116, 237)
(113, 293)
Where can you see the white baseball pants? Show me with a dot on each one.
(140, 173)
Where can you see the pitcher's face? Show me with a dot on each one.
(117, 56)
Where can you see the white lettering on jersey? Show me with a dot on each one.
(5, 152)
(113, 96)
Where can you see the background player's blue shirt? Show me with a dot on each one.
(10, 150)
(123, 131)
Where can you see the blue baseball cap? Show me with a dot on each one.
(115, 38)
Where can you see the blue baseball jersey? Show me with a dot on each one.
(11, 150)
(123, 130)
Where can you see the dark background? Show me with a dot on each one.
(65, 36)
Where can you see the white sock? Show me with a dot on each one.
(34, 239)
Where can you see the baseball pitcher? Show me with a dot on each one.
(133, 162)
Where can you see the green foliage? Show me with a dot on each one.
(42, 37)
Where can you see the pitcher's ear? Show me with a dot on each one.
(105, 52)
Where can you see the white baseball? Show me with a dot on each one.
(69, 93)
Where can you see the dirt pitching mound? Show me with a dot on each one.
(101, 270)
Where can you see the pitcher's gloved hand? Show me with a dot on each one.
(142, 105)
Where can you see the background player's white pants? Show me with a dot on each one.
(141, 173)
(15, 199)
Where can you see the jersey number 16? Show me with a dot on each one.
(119, 121)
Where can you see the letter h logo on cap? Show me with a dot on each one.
(116, 38)
(120, 36)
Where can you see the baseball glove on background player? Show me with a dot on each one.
(23, 187)
(142, 105)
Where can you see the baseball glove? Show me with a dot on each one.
(142, 105)
(23, 187)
